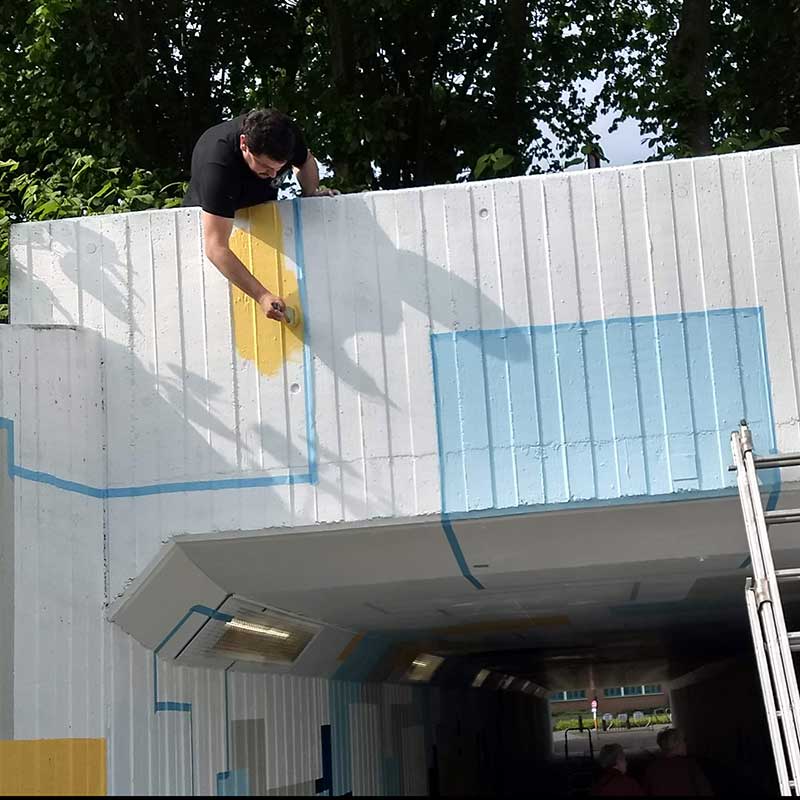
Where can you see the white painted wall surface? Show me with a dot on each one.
(350, 424)
(6, 592)
(50, 386)
(148, 390)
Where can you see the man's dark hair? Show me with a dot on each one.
(269, 133)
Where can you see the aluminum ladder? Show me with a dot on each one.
(773, 645)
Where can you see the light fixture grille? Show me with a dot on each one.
(423, 667)
(262, 638)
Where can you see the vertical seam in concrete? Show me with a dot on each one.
(554, 334)
(656, 333)
(709, 349)
(383, 367)
(782, 264)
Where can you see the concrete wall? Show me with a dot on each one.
(721, 712)
(93, 702)
(636, 311)
(270, 727)
(50, 392)
(491, 742)
(6, 592)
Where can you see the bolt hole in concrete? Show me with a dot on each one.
(294, 388)
(484, 212)
(91, 247)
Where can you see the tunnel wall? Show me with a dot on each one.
(721, 712)
(491, 742)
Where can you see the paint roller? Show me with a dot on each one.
(290, 315)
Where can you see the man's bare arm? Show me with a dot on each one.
(308, 178)
(216, 236)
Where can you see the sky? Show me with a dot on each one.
(624, 146)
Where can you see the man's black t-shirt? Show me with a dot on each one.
(222, 182)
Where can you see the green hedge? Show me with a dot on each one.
(564, 723)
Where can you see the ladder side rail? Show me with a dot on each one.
(780, 682)
(767, 692)
(748, 510)
(777, 622)
(761, 561)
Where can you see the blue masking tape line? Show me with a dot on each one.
(307, 477)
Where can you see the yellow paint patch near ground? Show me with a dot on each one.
(259, 245)
(66, 767)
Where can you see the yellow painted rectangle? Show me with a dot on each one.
(66, 767)
(258, 243)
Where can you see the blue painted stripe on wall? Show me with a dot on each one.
(233, 783)
(446, 429)
(308, 362)
(291, 479)
(458, 553)
(174, 705)
(597, 411)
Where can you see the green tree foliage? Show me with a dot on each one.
(102, 100)
(705, 76)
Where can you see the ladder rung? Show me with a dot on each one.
(778, 460)
(770, 462)
(782, 517)
(788, 574)
(794, 641)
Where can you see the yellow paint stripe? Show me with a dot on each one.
(66, 767)
(258, 242)
(351, 645)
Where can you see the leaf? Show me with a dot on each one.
(480, 167)
(502, 162)
(47, 209)
(101, 192)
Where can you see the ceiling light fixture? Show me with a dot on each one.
(252, 627)
(417, 663)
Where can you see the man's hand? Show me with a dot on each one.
(323, 192)
(308, 178)
(273, 306)
(216, 233)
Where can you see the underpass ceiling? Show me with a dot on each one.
(648, 580)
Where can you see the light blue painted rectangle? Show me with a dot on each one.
(598, 410)
(526, 435)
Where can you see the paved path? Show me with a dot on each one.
(635, 740)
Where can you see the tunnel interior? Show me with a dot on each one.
(570, 609)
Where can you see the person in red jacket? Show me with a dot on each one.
(675, 774)
(614, 782)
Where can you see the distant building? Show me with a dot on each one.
(610, 700)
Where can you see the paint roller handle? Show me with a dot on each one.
(273, 306)
(289, 316)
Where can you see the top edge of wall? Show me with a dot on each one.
(635, 167)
